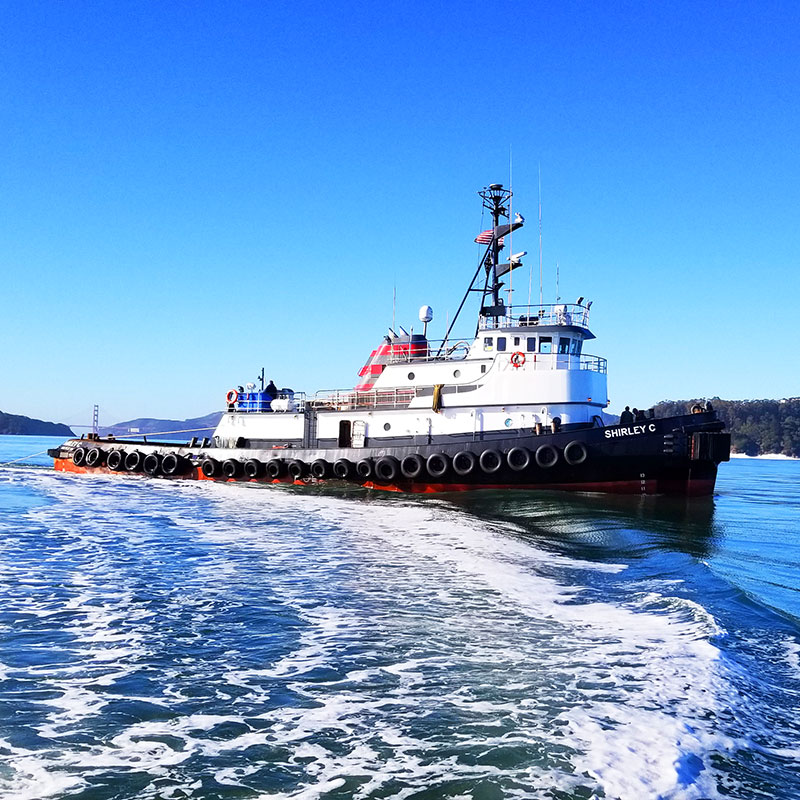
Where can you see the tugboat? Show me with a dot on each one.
(517, 405)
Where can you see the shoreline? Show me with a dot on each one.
(766, 457)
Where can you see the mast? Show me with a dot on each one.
(495, 199)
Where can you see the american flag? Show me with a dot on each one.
(486, 237)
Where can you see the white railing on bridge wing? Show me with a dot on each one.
(530, 316)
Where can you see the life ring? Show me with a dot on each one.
(518, 458)
(232, 397)
(546, 456)
(517, 359)
(697, 409)
(464, 463)
(490, 461)
(575, 453)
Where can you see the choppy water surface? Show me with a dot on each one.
(176, 640)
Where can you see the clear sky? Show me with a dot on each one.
(189, 191)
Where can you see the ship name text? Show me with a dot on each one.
(634, 430)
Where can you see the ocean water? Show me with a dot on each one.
(181, 640)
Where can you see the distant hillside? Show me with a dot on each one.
(16, 424)
(197, 426)
(757, 427)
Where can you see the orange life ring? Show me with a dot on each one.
(517, 359)
(231, 397)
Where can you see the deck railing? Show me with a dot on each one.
(531, 316)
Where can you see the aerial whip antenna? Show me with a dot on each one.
(540, 235)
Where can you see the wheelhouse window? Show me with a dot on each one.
(501, 343)
(545, 344)
(488, 344)
(576, 347)
(531, 344)
(563, 345)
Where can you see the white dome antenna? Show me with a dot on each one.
(425, 315)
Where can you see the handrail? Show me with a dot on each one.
(548, 314)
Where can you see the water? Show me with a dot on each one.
(181, 640)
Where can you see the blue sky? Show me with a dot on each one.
(193, 190)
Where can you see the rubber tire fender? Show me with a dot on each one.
(518, 458)
(542, 458)
(491, 461)
(210, 468)
(95, 457)
(297, 469)
(253, 468)
(412, 466)
(364, 469)
(343, 469)
(172, 464)
(231, 468)
(151, 464)
(116, 460)
(438, 464)
(582, 453)
(133, 461)
(79, 456)
(464, 463)
(275, 468)
(320, 469)
(387, 468)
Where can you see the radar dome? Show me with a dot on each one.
(425, 314)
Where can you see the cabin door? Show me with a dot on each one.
(345, 433)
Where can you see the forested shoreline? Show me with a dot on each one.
(758, 427)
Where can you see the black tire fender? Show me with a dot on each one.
(364, 469)
(343, 469)
(275, 468)
(210, 468)
(491, 461)
(173, 464)
(320, 469)
(387, 468)
(297, 469)
(518, 458)
(133, 461)
(231, 468)
(253, 468)
(438, 464)
(464, 463)
(546, 456)
(95, 457)
(575, 453)
(412, 466)
(151, 464)
(116, 460)
(79, 456)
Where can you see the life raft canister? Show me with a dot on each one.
(517, 359)
(231, 397)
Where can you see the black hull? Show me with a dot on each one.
(676, 455)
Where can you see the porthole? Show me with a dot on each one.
(386, 426)
(509, 422)
(457, 373)
(411, 376)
